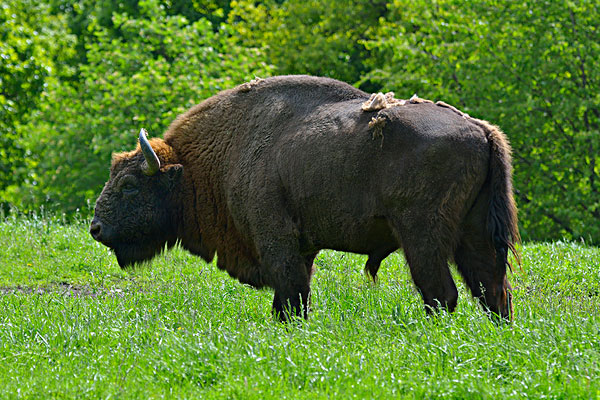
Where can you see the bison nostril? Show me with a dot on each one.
(96, 229)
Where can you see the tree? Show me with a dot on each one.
(33, 44)
(315, 37)
(84, 17)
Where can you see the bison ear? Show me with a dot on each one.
(172, 175)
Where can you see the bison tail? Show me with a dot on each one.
(502, 212)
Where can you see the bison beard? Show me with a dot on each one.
(267, 174)
(130, 254)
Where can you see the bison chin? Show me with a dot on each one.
(130, 254)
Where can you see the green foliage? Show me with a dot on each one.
(84, 17)
(157, 67)
(528, 67)
(72, 324)
(33, 44)
(315, 37)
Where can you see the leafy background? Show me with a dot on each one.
(78, 79)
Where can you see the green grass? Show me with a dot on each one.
(73, 325)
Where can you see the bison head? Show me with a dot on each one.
(137, 212)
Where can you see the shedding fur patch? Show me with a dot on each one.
(456, 110)
(246, 87)
(376, 125)
(417, 100)
(379, 101)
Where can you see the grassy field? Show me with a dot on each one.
(73, 325)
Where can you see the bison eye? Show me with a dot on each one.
(128, 185)
(129, 190)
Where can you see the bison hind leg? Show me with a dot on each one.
(431, 274)
(374, 261)
(427, 246)
(372, 267)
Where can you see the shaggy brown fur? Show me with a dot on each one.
(267, 174)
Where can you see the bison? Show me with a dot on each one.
(268, 173)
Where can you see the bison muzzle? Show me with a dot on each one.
(267, 174)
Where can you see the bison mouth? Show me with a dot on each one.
(130, 249)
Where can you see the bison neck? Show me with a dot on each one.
(206, 227)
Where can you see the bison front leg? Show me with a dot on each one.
(292, 287)
(289, 275)
(286, 268)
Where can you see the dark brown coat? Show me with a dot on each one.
(267, 174)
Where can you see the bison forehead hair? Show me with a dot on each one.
(165, 153)
(133, 215)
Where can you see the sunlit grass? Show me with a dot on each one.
(72, 324)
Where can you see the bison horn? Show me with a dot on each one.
(152, 163)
